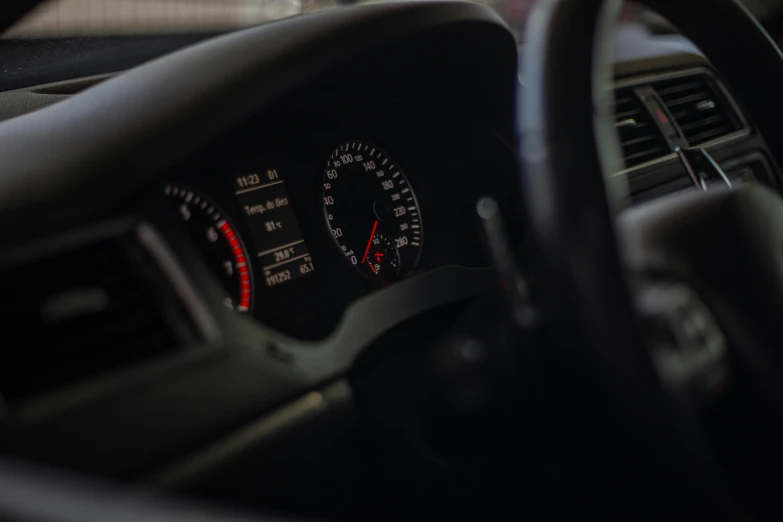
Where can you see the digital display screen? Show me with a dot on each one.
(280, 247)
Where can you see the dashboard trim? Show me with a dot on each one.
(191, 299)
(299, 413)
(369, 317)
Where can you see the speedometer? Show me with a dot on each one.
(372, 211)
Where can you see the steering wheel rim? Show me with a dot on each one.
(567, 152)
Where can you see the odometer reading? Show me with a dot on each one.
(282, 251)
(371, 211)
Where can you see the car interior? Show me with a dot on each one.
(393, 261)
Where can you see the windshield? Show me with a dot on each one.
(85, 18)
(60, 18)
(57, 18)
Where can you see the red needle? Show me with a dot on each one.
(369, 243)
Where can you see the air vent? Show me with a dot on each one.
(82, 312)
(699, 107)
(640, 138)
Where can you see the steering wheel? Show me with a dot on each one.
(706, 245)
(568, 145)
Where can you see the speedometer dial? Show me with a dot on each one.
(371, 211)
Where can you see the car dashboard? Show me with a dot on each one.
(333, 221)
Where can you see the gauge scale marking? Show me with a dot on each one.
(216, 239)
(371, 211)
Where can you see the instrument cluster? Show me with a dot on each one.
(300, 214)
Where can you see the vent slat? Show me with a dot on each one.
(640, 138)
(703, 123)
(628, 114)
(699, 108)
(711, 134)
(637, 141)
(649, 154)
(675, 102)
(687, 86)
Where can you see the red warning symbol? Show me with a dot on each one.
(662, 118)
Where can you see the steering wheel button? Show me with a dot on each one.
(688, 346)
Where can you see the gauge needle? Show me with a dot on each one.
(369, 243)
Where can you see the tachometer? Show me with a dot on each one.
(371, 211)
(218, 242)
